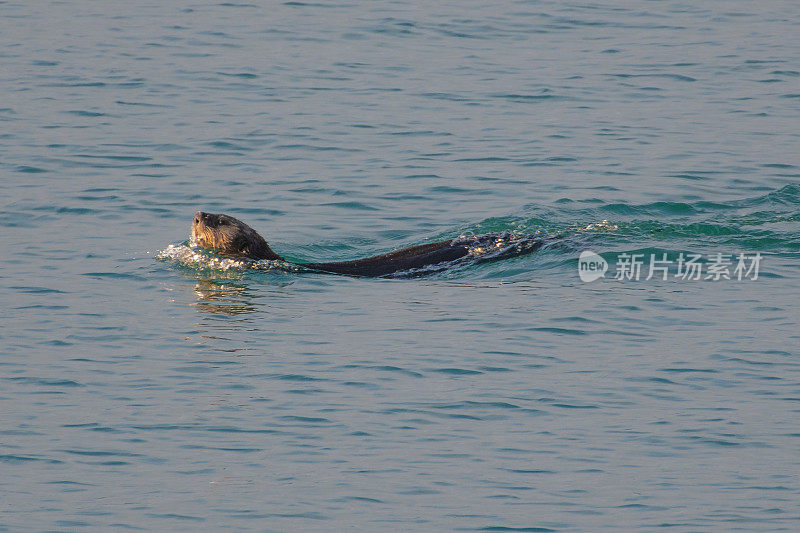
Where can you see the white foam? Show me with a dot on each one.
(605, 225)
(192, 256)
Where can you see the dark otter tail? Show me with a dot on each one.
(482, 248)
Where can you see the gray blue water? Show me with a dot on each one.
(142, 390)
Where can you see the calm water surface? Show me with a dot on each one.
(171, 395)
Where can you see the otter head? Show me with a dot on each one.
(229, 236)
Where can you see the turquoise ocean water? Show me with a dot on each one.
(143, 389)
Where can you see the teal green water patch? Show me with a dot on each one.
(30, 169)
(47, 382)
(37, 290)
(20, 459)
(766, 223)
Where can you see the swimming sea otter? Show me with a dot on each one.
(232, 237)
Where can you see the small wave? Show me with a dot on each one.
(767, 222)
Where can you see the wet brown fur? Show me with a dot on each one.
(230, 236)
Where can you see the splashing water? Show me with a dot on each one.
(192, 256)
(599, 226)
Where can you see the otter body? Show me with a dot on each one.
(232, 237)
